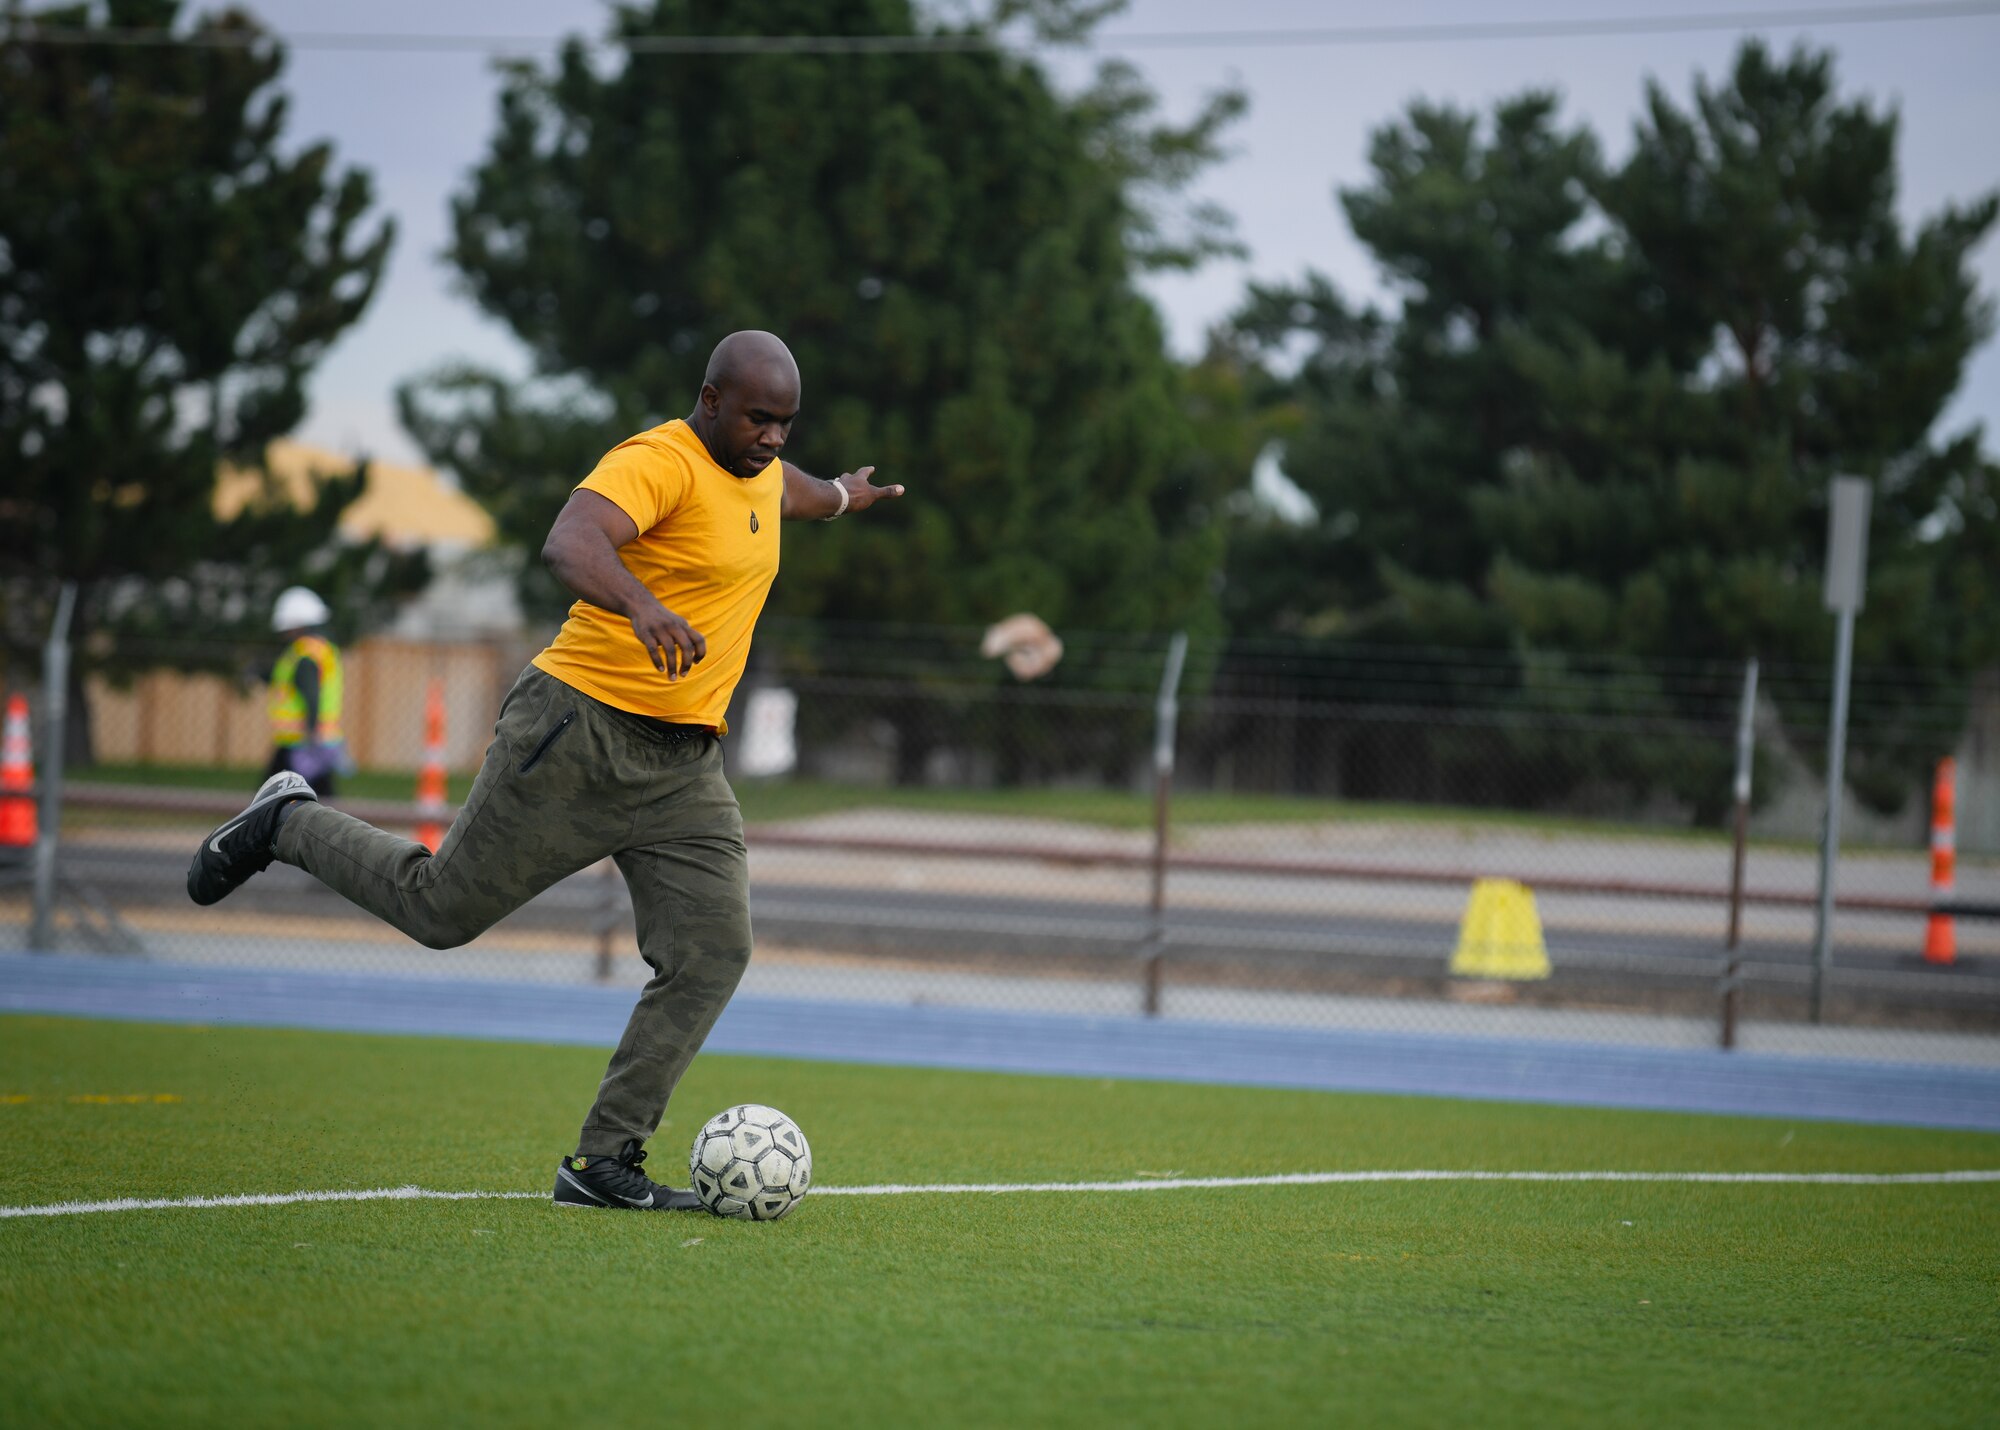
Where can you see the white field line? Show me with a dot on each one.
(263, 1199)
(1151, 1184)
(1314, 1179)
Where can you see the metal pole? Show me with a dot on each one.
(1166, 714)
(55, 712)
(1746, 744)
(1845, 590)
(1829, 846)
(607, 919)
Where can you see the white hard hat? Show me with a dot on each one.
(298, 608)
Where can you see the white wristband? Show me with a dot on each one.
(842, 489)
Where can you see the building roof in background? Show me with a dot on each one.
(405, 506)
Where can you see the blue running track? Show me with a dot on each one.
(1675, 1080)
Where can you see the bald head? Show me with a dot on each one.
(749, 396)
(751, 356)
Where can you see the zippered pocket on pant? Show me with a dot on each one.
(542, 747)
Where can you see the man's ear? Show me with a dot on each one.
(711, 398)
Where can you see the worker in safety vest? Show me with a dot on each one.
(306, 692)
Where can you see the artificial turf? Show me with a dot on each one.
(1395, 1303)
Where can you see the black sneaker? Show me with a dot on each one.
(243, 846)
(618, 1183)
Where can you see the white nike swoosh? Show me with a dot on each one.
(565, 1174)
(216, 843)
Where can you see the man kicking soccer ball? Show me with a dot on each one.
(608, 746)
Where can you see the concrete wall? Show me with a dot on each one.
(1979, 771)
(1796, 810)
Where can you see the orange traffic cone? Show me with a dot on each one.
(1940, 938)
(18, 825)
(430, 779)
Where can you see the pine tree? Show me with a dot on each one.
(1605, 419)
(169, 276)
(947, 243)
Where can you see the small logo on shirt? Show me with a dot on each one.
(753, 521)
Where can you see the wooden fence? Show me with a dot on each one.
(168, 717)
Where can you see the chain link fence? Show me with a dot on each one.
(1450, 842)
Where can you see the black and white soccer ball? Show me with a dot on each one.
(750, 1162)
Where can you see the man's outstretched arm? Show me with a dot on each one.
(582, 553)
(809, 498)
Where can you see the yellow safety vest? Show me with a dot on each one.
(288, 707)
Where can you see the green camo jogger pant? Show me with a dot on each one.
(566, 782)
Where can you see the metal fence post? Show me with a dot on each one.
(55, 712)
(1846, 579)
(1166, 711)
(1746, 744)
(610, 914)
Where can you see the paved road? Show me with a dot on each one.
(959, 904)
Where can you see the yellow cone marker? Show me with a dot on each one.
(1501, 936)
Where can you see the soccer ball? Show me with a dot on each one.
(750, 1162)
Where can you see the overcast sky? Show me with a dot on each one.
(418, 121)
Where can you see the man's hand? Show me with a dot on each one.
(809, 498)
(861, 493)
(673, 645)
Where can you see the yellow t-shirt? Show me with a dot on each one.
(707, 547)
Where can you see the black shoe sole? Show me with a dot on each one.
(262, 802)
(570, 1192)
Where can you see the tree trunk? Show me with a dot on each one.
(912, 720)
(79, 750)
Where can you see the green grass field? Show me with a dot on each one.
(766, 801)
(1412, 1304)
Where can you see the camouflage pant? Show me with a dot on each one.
(568, 781)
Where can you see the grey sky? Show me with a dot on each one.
(419, 121)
